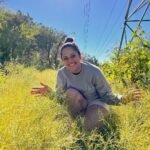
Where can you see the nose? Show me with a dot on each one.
(70, 61)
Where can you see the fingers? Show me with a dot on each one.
(137, 97)
(136, 94)
(43, 84)
(43, 90)
(36, 88)
(38, 95)
(134, 90)
(35, 92)
(38, 92)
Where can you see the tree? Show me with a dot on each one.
(16, 35)
(48, 40)
(91, 59)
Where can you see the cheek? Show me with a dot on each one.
(78, 60)
(64, 63)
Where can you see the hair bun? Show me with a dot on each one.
(69, 39)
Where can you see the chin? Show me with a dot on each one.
(74, 69)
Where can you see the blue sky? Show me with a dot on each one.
(96, 25)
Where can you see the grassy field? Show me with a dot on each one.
(39, 123)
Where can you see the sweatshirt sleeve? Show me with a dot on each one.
(104, 90)
(60, 83)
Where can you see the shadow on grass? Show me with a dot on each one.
(97, 139)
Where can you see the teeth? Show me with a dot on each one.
(71, 64)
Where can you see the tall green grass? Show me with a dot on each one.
(39, 123)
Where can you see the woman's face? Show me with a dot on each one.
(71, 59)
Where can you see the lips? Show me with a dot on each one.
(72, 65)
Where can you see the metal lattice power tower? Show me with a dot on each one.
(144, 4)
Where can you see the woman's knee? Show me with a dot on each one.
(95, 117)
(73, 93)
(75, 101)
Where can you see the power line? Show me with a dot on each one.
(106, 24)
(110, 35)
(116, 26)
(87, 8)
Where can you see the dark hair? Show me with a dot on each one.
(69, 42)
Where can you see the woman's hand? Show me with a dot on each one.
(136, 94)
(132, 94)
(43, 90)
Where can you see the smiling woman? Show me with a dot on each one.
(87, 91)
(71, 56)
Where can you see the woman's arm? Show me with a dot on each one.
(60, 83)
(108, 97)
(104, 90)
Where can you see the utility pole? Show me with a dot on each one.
(144, 4)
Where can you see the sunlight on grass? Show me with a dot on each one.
(29, 122)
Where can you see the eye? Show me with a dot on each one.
(73, 56)
(65, 58)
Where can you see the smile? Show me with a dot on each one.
(73, 64)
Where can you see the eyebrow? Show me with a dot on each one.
(70, 54)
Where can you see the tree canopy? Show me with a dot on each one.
(27, 42)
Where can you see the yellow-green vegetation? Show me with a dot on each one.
(28, 122)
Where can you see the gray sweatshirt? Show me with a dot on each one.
(90, 82)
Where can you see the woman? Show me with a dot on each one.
(87, 91)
